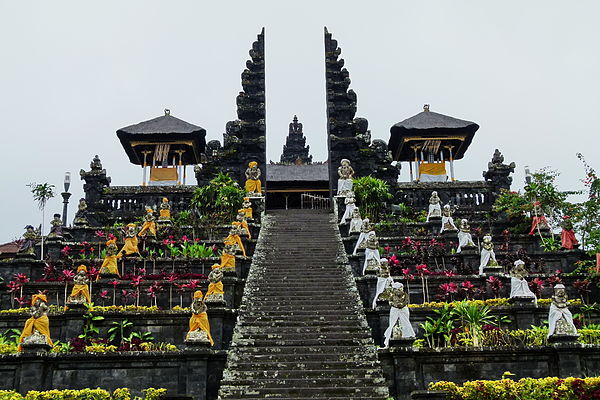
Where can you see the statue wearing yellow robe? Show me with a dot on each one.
(131, 241)
(234, 238)
(81, 288)
(149, 227)
(109, 265)
(199, 318)
(228, 258)
(39, 320)
(253, 184)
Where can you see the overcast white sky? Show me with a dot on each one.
(73, 72)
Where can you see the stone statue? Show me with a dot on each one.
(242, 223)
(199, 332)
(28, 244)
(346, 173)
(81, 292)
(399, 324)
(488, 257)
(149, 226)
(80, 215)
(371, 250)
(109, 264)
(435, 208)
(538, 220)
(165, 211)
(215, 292)
(247, 207)
(131, 241)
(350, 202)
(498, 172)
(234, 238)
(253, 184)
(365, 228)
(228, 257)
(384, 280)
(567, 235)
(37, 327)
(519, 288)
(560, 319)
(465, 240)
(356, 221)
(447, 220)
(56, 228)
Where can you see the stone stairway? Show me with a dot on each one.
(301, 333)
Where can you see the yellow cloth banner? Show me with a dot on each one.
(130, 246)
(200, 321)
(81, 290)
(235, 239)
(253, 186)
(163, 174)
(215, 288)
(433, 168)
(41, 324)
(227, 261)
(109, 266)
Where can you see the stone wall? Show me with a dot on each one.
(409, 369)
(192, 372)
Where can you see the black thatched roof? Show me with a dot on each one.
(296, 173)
(164, 129)
(430, 125)
(165, 124)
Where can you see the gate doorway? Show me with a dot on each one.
(296, 186)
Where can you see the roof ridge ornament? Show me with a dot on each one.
(426, 107)
(167, 111)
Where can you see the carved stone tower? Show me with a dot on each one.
(295, 150)
(349, 137)
(244, 138)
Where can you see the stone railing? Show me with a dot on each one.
(473, 195)
(127, 203)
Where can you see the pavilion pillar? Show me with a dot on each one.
(145, 168)
(451, 163)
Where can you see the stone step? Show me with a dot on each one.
(294, 323)
(332, 350)
(308, 331)
(281, 382)
(298, 342)
(295, 367)
(361, 392)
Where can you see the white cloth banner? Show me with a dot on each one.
(486, 255)
(401, 316)
(369, 254)
(555, 315)
(520, 288)
(433, 178)
(382, 283)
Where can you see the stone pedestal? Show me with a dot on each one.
(449, 235)
(522, 301)
(76, 306)
(562, 338)
(496, 269)
(402, 341)
(197, 340)
(35, 347)
(428, 395)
